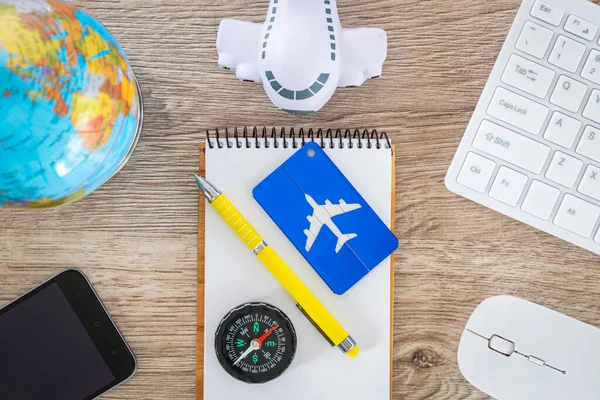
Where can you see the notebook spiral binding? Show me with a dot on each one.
(250, 137)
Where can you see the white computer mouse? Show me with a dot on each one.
(513, 349)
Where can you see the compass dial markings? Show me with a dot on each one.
(255, 342)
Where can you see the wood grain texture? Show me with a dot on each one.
(136, 237)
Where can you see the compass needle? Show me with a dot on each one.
(267, 333)
(244, 354)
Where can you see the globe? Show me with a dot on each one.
(70, 105)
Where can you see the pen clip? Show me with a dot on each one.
(315, 325)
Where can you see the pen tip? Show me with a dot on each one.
(209, 191)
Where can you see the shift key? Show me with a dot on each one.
(518, 111)
(511, 147)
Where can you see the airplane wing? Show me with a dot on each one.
(363, 52)
(342, 208)
(238, 44)
(312, 232)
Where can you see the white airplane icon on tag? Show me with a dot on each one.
(322, 215)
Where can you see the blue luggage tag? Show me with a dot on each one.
(326, 218)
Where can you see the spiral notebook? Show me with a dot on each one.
(229, 275)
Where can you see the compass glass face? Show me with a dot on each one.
(255, 342)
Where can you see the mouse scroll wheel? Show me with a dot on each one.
(501, 345)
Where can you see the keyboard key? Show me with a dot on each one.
(591, 69)
(508, 186)
(580, 27)
(589, 145)
(528, 76)
(534, 39)
(590, 183)
(541, 200)
(517, 111)
(577, 216)
(592, 109)
(567, 54)
(476, 172)
(568, 93)
(564, 169)
(512, 147)
(547, 13)
(562, 130)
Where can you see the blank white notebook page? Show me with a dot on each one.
(233, 276)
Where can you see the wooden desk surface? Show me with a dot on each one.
(136, 237)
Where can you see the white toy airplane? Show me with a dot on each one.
(322, 215)
(301, 53)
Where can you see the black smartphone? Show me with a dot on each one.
(58, 342)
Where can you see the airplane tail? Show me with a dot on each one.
(343, 240)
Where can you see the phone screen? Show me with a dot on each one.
(47, 352)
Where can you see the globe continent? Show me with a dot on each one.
(70, 107)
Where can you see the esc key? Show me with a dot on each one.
(547, 13)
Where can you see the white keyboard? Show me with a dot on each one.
(532, 148)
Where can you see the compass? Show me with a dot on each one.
(255, 342)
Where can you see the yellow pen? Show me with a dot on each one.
(310, 306)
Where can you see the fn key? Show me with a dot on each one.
(476, 172)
